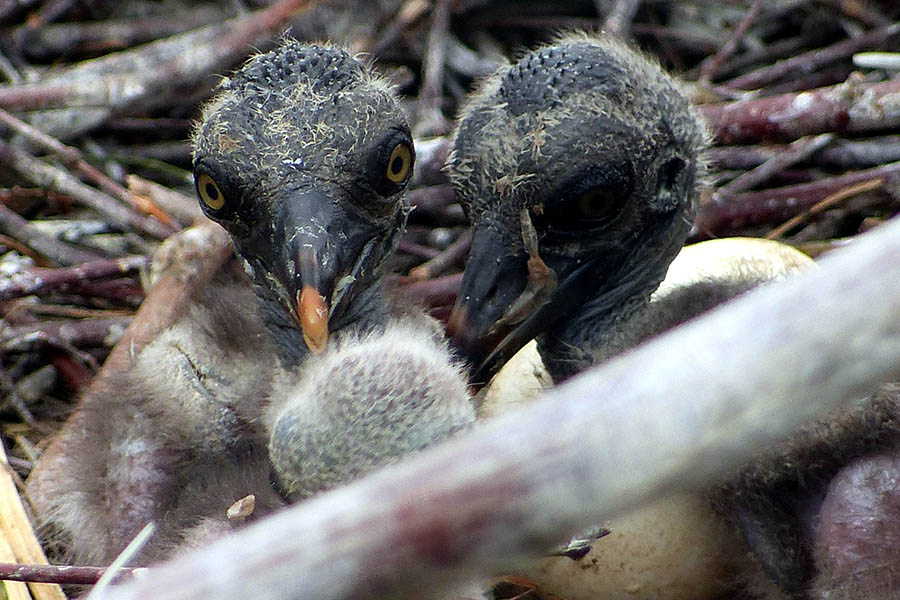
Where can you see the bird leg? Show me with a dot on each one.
(541, 280)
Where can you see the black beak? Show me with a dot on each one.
(507, 300)
(312, 256)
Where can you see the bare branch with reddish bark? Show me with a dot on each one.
(774, 206)
(851, 107)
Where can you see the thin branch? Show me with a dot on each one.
(19, 229)
(852, 106)
(817, 58)
(828, 202)
(37, 281)
(454, 255)
(48, 176)
(774, 206)
(711, 65)
(74, 159)
(58, 574)
(795, 153)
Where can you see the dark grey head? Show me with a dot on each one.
(577, 168)
(303, 157)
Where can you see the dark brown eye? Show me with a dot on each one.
(399, 164)
(209, 192)
(597, 203)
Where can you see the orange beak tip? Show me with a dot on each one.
(313, 313)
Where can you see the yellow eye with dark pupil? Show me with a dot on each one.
(209, 192)
(597, 203)
(400, 163)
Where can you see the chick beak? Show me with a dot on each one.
(498, 295)
(312, 308)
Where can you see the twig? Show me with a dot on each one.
(769, 207)
(67, 335)
(454, 254)
(828, 202)
(148, 74)
(431, 292)
(619, 19)
(431, 156)
(52, 177)
(840, 154)
(114, 571)
(19, 229)
(431, 120)
(58, 574)
(67, 38)
(852, 106)
(711, 65)
(18, 531)
(74, 159)
(815, 59)
(184, 209)
(37, 281)
(795, 153)
(522, 482)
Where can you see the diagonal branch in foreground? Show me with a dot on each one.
(674, 414)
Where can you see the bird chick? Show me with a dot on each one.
(577, 167)
(174, 439)
(304, 158)
(365, 403)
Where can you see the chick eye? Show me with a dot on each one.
(597, 203)
(209, 192)
(399, 163)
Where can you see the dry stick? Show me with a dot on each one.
(184, 209)
(74, 159)
(57, 574)
(431, 156)
(431, 199)
(12, 224)
(711, 65)
(148, 74)
(18, 531)
(69, 335)
(858, 10)
(841, 154)
(815, 59)
(50, 177)
(852, 106)
(430, 95)
(37, 281)
(11, 590)
(795, 153)
(439, 291)
(54, 40)
(606, 441)
(619, 19)
(828, 202)
(454, 254)
(773, 206)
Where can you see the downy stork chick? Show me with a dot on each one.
(576, 214)
(577, 168)
(304, 158)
